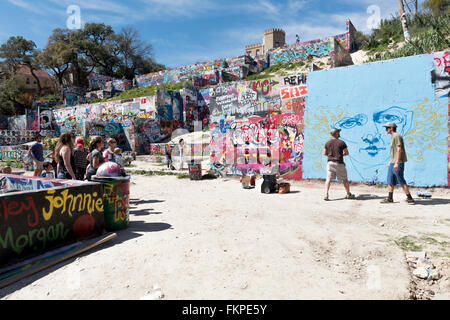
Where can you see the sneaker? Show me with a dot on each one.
(387, 200)
(410, 201)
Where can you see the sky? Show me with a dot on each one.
(184, 32)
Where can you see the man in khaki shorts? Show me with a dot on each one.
(335, 150)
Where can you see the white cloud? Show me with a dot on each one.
(26, 5)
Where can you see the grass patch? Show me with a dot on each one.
(12, 164)
(159, 173)
(429, 240)
(152, 173)
(408, 243)
(129, 165)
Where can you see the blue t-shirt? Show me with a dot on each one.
(46, 174)
(38, 151)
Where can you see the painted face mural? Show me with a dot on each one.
(366, 137)
(422, 127)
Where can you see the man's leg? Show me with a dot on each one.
(330, 176)
(347, 187)
(327, 188)
(402, 181)
(391, 181)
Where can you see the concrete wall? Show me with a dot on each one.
(44, 214)
(300, 52)
(292, 118)
(359, 100)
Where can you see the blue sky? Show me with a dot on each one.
(188, 31)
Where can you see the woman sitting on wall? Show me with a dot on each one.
(64, 156)
(96, 158)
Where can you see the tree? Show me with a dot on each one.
(437, 6)
(18, 52)
(96, 44)
(58, 55)
(135, 56)
(10, 93)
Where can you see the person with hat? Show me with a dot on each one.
(80, 158)
(396, 165)
(36, 153)
(335, 150)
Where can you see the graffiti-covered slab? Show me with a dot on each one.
(48, 214)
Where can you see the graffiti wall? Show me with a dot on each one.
(257, 126)
(47, 215)
(17, 123)
(300, 52)
(32, 116)
(73, 96)
(259, 145)
(202, 74)
(98, 81)
(148, 131)
(15, 137)
(441, 73)
(349, 99)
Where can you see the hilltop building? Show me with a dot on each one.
(273, 38)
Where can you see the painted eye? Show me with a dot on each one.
(390, 118)
(351, 122)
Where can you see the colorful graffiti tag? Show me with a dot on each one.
(47, 217)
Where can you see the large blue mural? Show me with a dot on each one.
(359, 100)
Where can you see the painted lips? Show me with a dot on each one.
(372, 150)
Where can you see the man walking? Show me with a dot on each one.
(36, 153)
(396, 165)
(335, 150)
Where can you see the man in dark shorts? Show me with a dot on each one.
(335, 150)
(36, 153)
(396, 165)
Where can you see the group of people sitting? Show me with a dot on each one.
(71, 160)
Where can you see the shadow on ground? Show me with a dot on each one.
(133, 231)
(138, 201)
(432, 201)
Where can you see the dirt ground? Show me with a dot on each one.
(211, 239)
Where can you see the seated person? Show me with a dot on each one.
(48, 171)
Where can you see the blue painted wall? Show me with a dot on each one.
(359, 100)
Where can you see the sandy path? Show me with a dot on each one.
(211, 239)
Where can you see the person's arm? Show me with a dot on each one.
(30, 153)
(325, 152)
(95, 163)
(399, 154)
(66, 159)
(345, 152)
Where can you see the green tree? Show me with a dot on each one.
(437, 6)
(18, 52)
(59, 54)
(95, 43)
(10, 93)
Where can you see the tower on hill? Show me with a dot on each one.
(272, 38)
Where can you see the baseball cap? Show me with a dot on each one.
(334, 131)
(390, 125)
(80, 142)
